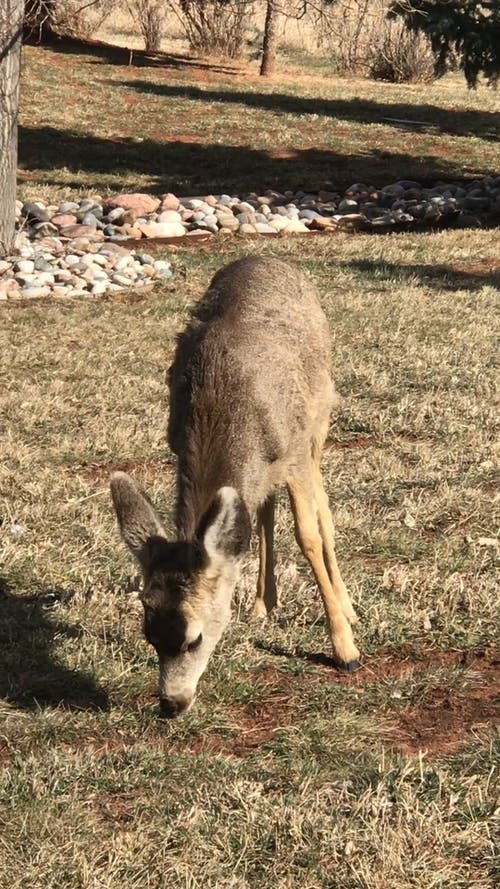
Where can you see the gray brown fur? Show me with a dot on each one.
(250, 386)
(250, 401)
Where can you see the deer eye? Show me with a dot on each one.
(195, 643)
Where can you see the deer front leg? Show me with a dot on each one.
(266, 597)
(310, 541)
(327, 532)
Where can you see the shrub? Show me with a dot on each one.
(400, 56)
(214, 26)
(74, 18)
(364, 41)
(150, 17)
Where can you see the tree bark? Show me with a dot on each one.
(270, 45)
(11, 29)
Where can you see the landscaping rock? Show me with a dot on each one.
(68, 207)
(42, 229)
(264, 229)
(72, 248)
(139, 203)
(80, 231)
(62, 219)
(169, 216)
(169, 202)
(35, 211)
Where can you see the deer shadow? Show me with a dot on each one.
(313, 657)
(30, 674)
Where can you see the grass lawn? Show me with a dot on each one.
(285, 774)
(92, 122)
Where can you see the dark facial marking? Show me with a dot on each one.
(195, 643)
(181, 558)
(165, 630)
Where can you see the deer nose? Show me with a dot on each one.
(172, 707)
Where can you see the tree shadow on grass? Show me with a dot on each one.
(188, 169)
(455, 121)
(473, 275)
(30, 675)
(110, 54)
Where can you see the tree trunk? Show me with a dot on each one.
(270, 38)
(11, 29)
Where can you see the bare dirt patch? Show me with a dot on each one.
(362, 441)
(99, 472)
(115, 808)
(254, 725)
(185, 140)
(482, 267)
(448, 717)
(440, 723)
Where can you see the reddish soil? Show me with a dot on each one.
(447, 716)
(117, 808)
(99, 472)
(362, 441)
(483, 267)
(443, 720)
(186, 140)
(282, 153)
(439, 723)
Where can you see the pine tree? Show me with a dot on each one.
(468, 30)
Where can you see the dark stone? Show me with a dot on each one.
(475, 203)
(309, 214)
(466, 220)
(34, 213)
(408, 183)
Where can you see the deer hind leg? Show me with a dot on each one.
(267, 597)
(309, 538)
(327, 532)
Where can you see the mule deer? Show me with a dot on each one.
(250, 400)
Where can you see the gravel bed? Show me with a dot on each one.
(74, 249)
(80, 267)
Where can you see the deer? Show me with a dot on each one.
(251, 395)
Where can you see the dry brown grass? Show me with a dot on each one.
(92, 122)
(283, 775)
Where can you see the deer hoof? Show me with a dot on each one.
(348, 666)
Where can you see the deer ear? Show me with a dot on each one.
(225, 528)
(137, 517)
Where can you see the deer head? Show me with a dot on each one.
(188, 585)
